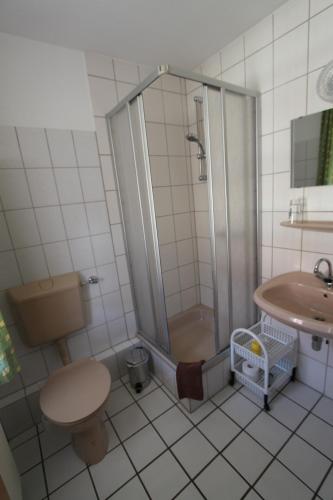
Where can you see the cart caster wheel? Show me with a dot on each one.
(266, 405)
(293, 375)
(232, 379)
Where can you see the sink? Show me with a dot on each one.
(299, 300)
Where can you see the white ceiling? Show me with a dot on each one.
(179, 32)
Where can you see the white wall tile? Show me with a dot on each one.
(166, 229)
(267, 154)
(34, 147)
(86, 148)
(317, 241)
(289, 103)
(319, 198)
(311, 372)
(185, 252)
(168, 255)
(68, 183)
(122, 269)
(212, 65)
(153, 105)
(58, 258)
(305, 347)
(204, 249)
(103, 142)
(267, 106)
(171, 283)
(78, 345)
(10, 152)
(266, 228)
(126, 295)
(309, 260)
(187, 276)
(113, 207)
(258, 36)
(282, 151)
(285, 261)
(117, 331)
(99, 338)
(160, 171)
(61, 148)
(42, 187)
(108, 278)
(235, 74)
(183, 226)
(5, 242)
(126, 71)
(107, 172)
(180, 198)
(76, 221)
(81, 252)
(173, 305)
(267, 192)
(103, 95)
(318, 5)
(232, 53)
(32, 263)
(173, 106)
(285, 237)
(315, 103)
(123, 89)
(176, 140)
(112, 305)
(23, 228)
(9, 272)
(289, 15)
(97, 217)
(94, 312)
(320, 39)
(259, 70)
(103, 249)
(162, 201)
(118, 239)
(92, 184)
(14, 191)
(290, 55)
(33, 368)
(156, 139)
(99, 65)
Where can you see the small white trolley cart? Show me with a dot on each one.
(275, 364)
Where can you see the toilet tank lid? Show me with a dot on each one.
(43, 288)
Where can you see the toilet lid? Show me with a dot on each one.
(75, 391)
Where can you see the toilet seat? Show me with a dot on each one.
(75, 392)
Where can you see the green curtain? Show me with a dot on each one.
(325, 160)
(9, 366)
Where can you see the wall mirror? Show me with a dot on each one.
(312, 150)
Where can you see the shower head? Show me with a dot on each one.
(194, 138)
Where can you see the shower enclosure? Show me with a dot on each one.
(186, 161)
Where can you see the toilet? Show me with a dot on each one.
(75, 395)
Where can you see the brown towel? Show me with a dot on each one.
(189, 380)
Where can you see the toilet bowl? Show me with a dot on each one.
(74, 398)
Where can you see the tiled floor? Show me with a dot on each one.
(228, 449)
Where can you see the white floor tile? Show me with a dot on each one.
(325, 491)
(80, 487)
(194, 452)
(118, 400)
(252, 496)
(27, 455)
(61, 467)
(112, 472)
(189, 493)
(155, 403)
(259, 401)
(33, 484)
(144, 446)
(240, 409)
(53, 439)
(172, 425)
(324, 409)
(128, 421)
(113, 439)
(307, 463)
(152, 385)
(132, 490)
(287, 412)
(248, 457)
(278, 483)
(200, 413)
(220, 477)
(219, 429)
(221, 396)
(270, 433)
(319, 434)
(302, 394)
(164, 478)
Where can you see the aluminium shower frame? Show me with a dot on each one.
(222, 87)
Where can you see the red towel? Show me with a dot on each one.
(189, 380)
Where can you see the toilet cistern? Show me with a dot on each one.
(328, 280)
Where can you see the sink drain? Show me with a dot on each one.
(318, 318)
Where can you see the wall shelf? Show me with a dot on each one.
(310, 225)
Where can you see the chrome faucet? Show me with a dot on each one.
(328, 280)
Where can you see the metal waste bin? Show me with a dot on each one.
(138, 370)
